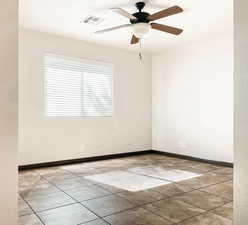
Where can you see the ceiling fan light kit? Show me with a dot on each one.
(142, 22)
(140, 29)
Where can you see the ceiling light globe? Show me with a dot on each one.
(140, 29)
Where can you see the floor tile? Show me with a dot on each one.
(59, 175)
(156, 160)
(225, 211)
(140, 158)
(202, 168)
(207, 219)
(109, 188)
(186, 162)
(191, 184)
(91, 168)
(49, 201)
(223, 174)
(142, 197)
(27, 174)
(225, 171)
(205, 180)
(55, 190)
(108, 205)
(113, 164)
(163, 162)
(223, 189)
(202, 200)
(82, 171)
(98, 163)
(71, 166)
(151, 156)
(127, 181)
(23, 208)
(29, 220)
(38, 189)
(136, 216)
(71, 183)
(163, 167)
(170, 175)
(87, 192)
(173, 210)
(48, 170)
(172, 189)
(30, 182)
(68, 215)
(96, 222)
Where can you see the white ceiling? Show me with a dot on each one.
(200, 19)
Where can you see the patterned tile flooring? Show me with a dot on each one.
(149, 189)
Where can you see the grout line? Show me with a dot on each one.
(93, 221)
(145, 175)
(116, 193)
(170, 181)
(166, 219)
(28, 214)
(93, 184)
(167, 197)
(214, 193)
(194, 189)
(173, 196)
(206, 211)
(44, 210)
(78, 202)
(200, 174)
(137, 206)
(228, 201)
(101, 217)
(34, 212)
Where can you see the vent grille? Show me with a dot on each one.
(94, 20)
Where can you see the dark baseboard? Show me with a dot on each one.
(120, 155)
(179, 156)
(82, 160)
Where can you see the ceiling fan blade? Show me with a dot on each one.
(134, 40)
(113, 28)
(124, 13)
(164, 13)
(165, 28)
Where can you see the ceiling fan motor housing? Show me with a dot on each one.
(141, 16)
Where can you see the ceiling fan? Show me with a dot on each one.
(141, 22)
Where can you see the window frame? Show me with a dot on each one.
(82, 60)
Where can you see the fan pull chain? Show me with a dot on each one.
(140, 54)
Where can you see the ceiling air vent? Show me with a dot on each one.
(93, 20)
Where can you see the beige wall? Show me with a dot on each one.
(241, 112)
(8, 112)
(44, 139)
(192, 99)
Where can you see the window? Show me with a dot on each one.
(77, 88)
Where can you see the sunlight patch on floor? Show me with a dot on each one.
(141, 178)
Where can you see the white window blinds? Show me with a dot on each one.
(77, 88)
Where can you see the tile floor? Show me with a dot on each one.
(148, 189)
